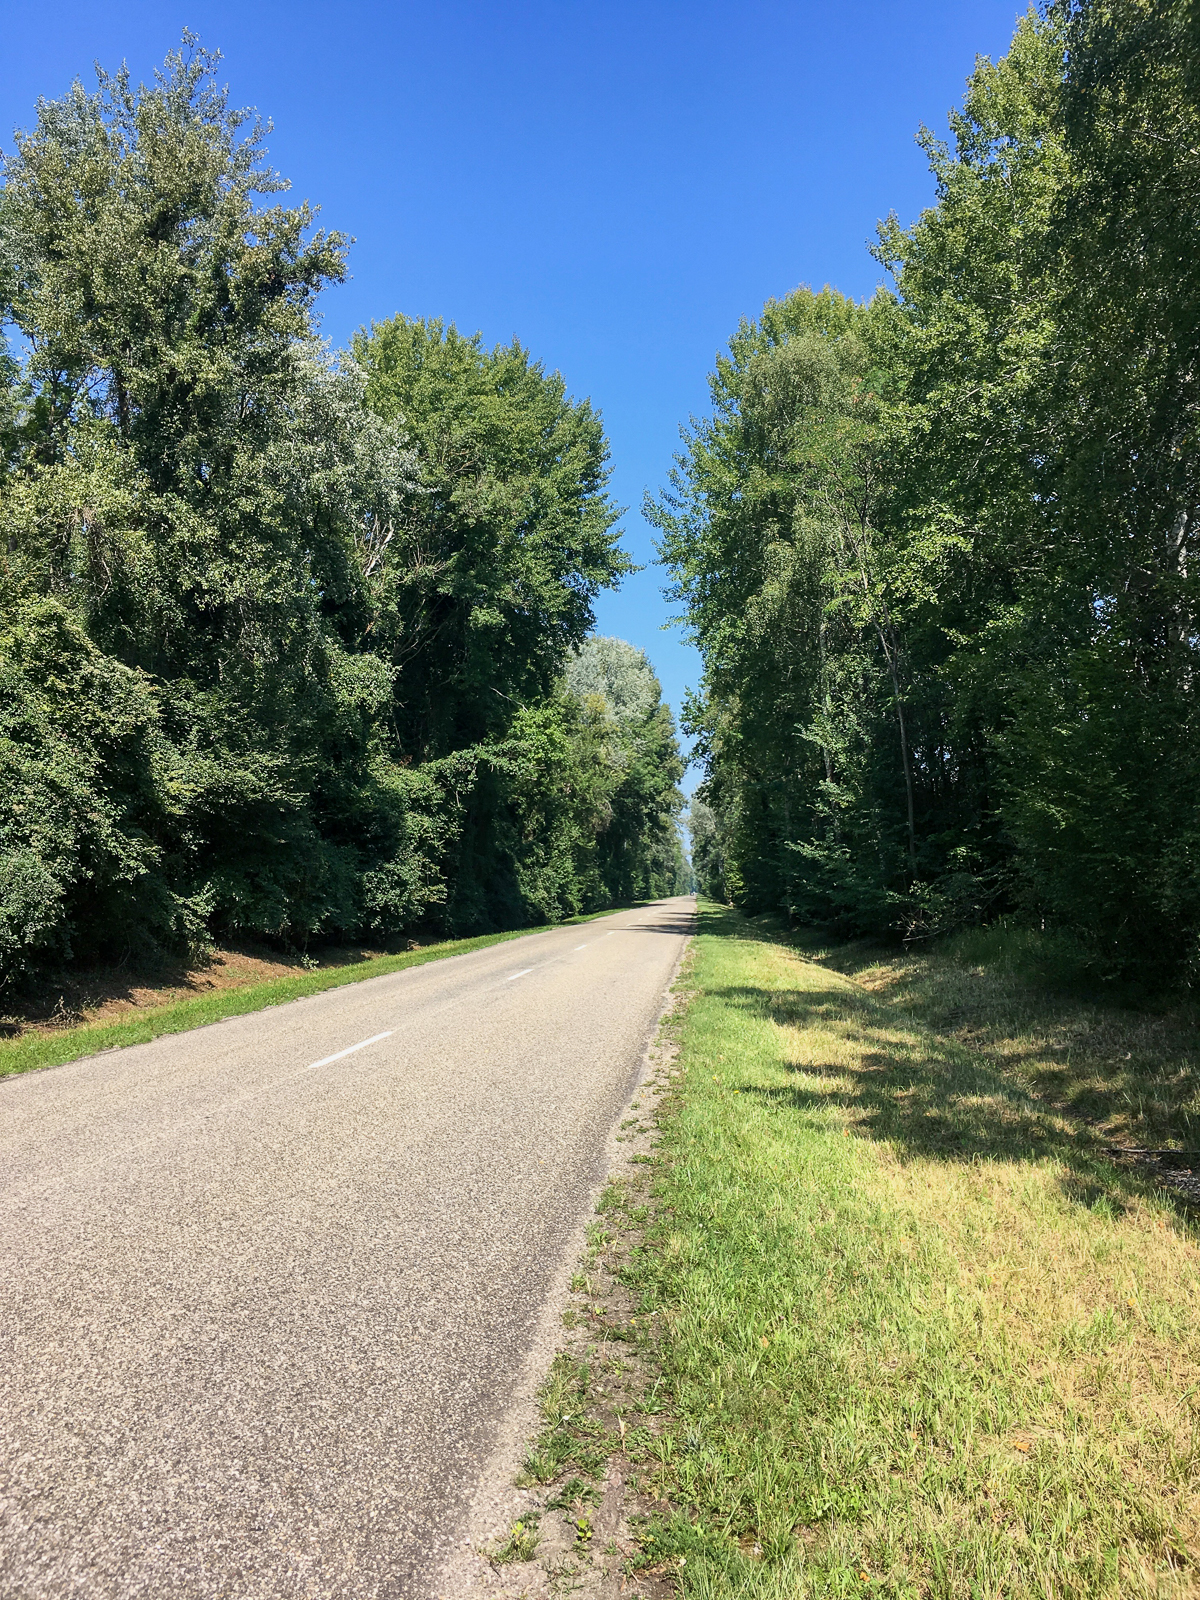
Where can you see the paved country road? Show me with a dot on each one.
(267, 1286)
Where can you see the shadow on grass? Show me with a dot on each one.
(927, 1096)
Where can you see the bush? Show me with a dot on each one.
(83, 765)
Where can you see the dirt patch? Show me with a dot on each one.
(112, 993)
(1175, 1170)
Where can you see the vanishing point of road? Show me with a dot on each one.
(268, 1286)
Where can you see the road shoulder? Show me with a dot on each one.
(586, 1331)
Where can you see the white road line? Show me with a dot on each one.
(580, 947)
(350, 1049)
(520, 974)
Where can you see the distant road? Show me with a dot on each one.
(267, 1285)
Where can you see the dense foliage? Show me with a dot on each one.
(638, 849)
(939, 550)
(287, 640)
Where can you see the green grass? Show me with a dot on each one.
(54, 1048)
(920, 1338)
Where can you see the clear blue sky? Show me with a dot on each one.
(614, 183)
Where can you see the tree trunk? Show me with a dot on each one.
(890, 657)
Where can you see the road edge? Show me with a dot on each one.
(495, 1502)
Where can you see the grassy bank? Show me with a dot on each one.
(920, 1337)
(54, 1047)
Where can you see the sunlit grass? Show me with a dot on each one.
(922, 1339)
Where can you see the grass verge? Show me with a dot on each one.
(919, 1337)
(54, 1049)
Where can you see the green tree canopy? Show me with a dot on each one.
(937, 550)
(487, 577)
(282, 631)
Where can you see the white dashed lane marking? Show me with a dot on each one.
(350, 1049)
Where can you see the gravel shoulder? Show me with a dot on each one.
(588, 1324)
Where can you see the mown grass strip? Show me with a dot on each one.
(920, 1338)
(56, 1049)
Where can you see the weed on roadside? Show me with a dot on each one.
(571, 1436)
(520, 1544)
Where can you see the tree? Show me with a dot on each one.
(285, 629)
(804, 588)
(151, 486)
(708, 864)
(639, 854)
(485, 579)
(938, 551)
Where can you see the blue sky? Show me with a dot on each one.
(614, 183)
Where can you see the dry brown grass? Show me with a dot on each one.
(1130, 1071)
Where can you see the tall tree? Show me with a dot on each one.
(639, 853)
(986, 546)
(281, 634)
(487, 577)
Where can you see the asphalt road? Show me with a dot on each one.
(266, 1294)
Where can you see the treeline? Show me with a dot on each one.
(940, 550)
(293, 644)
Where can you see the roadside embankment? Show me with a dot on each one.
(150, 1013)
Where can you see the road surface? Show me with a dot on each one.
(267, 1286)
